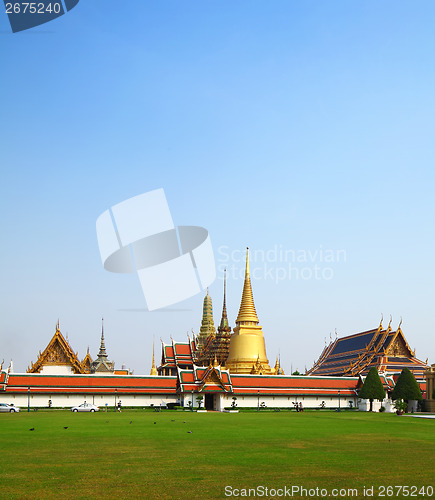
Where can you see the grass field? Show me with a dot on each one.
(152, 455)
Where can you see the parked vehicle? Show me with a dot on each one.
(8, 408)
(85, 407)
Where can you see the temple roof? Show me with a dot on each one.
(353, 355)
(57, 352)
(102, 364)
(86, 363)
(205, 379)
(178, 353)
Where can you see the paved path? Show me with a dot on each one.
(421, 416)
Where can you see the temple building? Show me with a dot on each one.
(385, 349)
(247, 353)
(102, 363)
(217, 369)
(216, 347)
(207, 324)
(59, 358)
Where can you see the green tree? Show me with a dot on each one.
(407, 387)
(372, 388)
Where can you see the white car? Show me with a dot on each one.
(85, 407)
(8, 408)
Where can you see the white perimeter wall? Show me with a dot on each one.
(70, 400)
(221, 400)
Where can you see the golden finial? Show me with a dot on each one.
(400, 324)
(382, 319)
(57, 325)
(336, 334)
(391, 320)
(247, 310)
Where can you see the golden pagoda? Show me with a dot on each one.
(247, 348)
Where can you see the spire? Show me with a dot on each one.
(153, 367)
(224, 320)
(102, 353)
(247, 310)
(207, 323)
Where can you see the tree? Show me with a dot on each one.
(372, 388)
(407, 387)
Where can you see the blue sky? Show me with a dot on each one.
(293, 125)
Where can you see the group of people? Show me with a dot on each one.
(298, 406)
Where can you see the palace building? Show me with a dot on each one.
(354, 355)
(215, 369)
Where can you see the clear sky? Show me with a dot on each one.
(302, 129)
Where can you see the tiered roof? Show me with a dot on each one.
(205, 379)
(177, 355)
(102, 363)
(354, 355)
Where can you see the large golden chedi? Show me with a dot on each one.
(247, 348)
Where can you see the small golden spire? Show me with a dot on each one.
(247, 310)
(153, 367)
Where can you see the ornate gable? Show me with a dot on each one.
(57, 353)
(212, 381)
(86, 364)
(398, 346)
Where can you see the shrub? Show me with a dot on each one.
(372, 388)
(406, 387)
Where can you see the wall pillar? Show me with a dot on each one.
(430, 385)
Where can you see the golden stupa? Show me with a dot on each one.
(247, 348)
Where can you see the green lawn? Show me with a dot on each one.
(104, 455)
